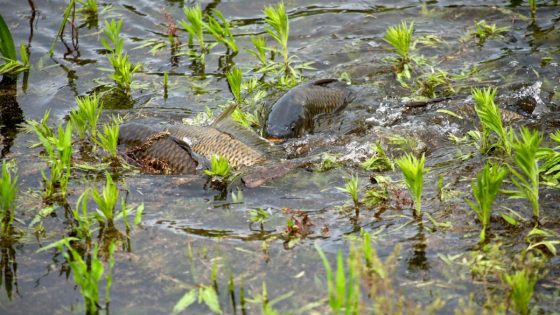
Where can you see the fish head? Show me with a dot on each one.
(285, 121)
(288, 117)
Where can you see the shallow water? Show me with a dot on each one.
(186, 226)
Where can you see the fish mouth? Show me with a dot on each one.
(275, 139)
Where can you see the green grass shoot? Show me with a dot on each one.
(259, 216)
(11, 65)
(8, 191)
(413, 171)
(84, 118)
(351, 188)
(204, 294)
(279, 29)
(83, 218)
(491, 120)
(400, 38)
(221, 30)
(379, 161)
(106, 201)
(219, 167)
(109, 139)
(235, 79)
(485, 31)
(194, 25)
(89, 7)
(344, 290)
(123, 69)
(522, 284)
(533, 7)
(485, 190)
(66, 15)
(260, 49)
(59, 156)
(526, 159)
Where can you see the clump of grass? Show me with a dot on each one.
(279, 29)
(194, 25)
(87, 273)
(123, 69)
(522, 284)
(379, 161)
(89, 9)
(351, 188)
(400, 39)
(84, 118)
(8, 191)
(491, 120)
(328, 162)
(108, 140)
(219, 167)
(235, 80)
(485, 190)
(260, 49)
(11, 65)
(526, 159)
(221, 30)
(431, 82)
(344, 290)
(59, 156)
(413, 171)
(106, 201)
(485, 31)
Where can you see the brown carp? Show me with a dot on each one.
(157, 150)
(294, 113)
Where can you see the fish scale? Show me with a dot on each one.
(295, 111)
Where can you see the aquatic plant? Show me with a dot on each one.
(376, 195)
(259, 216)
(235, 79)
(87, 273)
(8, 191)
(109, 139)
(194, 25)
(433, 81)
(106, 201)
(533, 7)
(260, 49)
(123, 69)
(59, 156)
(204, 294)
(485, 31)
(165, 84)
(83, 230)
(522, 284)
(379, 161)
(84, 118)
(89, 7)
(69, 8)
(328, 162)
(11, 65)
(344, 290)
(413, 171)
(526, 159)
(400, 38)
(279, 29)
(485, 190)
(351, 188)
(491, 120)
(221, 30)
(219, 167)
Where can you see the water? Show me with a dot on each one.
(187, 227)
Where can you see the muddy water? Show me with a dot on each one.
(188, 227)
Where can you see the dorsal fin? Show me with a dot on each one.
(322, 81)
(223, 115)
(226, 124)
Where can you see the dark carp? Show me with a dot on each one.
(294, 113)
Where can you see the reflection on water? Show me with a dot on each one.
(11, 114)
(8, 269)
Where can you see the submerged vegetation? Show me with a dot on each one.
(82, 196)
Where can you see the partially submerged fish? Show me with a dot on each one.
(157, 150)
(294, 113)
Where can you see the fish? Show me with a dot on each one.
(293, 114)
(157, 150)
